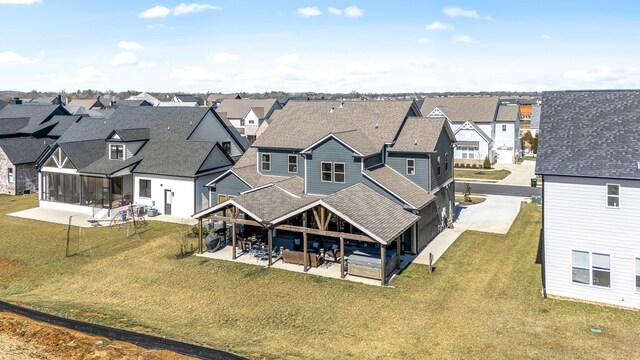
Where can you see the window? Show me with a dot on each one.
(145, 188)
(613, 195)
(338, 173)
(468, 152)
(598, 273)
(222, 198)
(446, 161)
(252, 122)
(504, 127)
(438, 163)
(116, 152)
(10, 175)
(293, 163)
(411, 167)
(265, 162)
(226, 146)
(638, 275)
(241, 122)
(326, 172)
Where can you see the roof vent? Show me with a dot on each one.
(190, 123)
(377, 125)
(415, 142)
(342, 104)
(331, 110)
(168, 128)
(105, 122)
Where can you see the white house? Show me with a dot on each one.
(483, 126)
(591, 196)
(152, 156)
(145, 96)
(247, 115)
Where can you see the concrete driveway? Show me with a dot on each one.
(521, 174)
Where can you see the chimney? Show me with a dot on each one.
(17, 101)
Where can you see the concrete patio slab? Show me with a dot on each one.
(55, 216)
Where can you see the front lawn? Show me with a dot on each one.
(481, 174)
(483, 300)
(474, 199)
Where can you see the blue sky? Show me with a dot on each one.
(367, 46)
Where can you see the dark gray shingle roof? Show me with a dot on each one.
(35, 113)
(419, 134)
(24, 150)
(463, 108)
(411, 193)
(133, 134)
(535, 117)
(590, 134)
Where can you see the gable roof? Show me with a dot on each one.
(131, 134)
(507, 113)
(462, 108)
(408, 192)
(421, 134)
(219, 97)
(590, 134)
(86, 103)
(24, 150)
(477, 129)
(190, 98)
(301, 123)
(137, 102)
(62, 123)
(238, 108)
(29, 115)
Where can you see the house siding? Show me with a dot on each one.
(229, 185)
(183, 194)
(431, 221)
(373, 161)
(576, 218)
(280, 162)
(332, 151)
(398, 162)
(443, 148)
(211, 129)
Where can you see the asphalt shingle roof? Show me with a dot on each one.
(83, 153)
(401, 186)
(463, 108)
(238, 108)
(11, 126)
(24, 150)
(271, 203)
(63, 122)
(590, 134)
(139, 102)
(34, 112)
(133, 134)
(507, 113)
(419, 134)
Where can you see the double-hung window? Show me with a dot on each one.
(594, 268)
(332, 172)
(446, 161)
(504, 127)
(293, 163)
(10, 175)
(265, 162)
(116, 152)
(326, 169)
(338, 173)
(613, 195)
(438, 163)
(144, 190)
(411, 166)
(226, 146)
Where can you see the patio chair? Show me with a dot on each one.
(315, 247)
(333, 253)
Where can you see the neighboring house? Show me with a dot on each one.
(26, 131)
(535, 120)
(144, 155)
(590, 167)
(248, 114)
(215, 99)
(88, 104)
(145, 96)
(50, 100)
(482, 125)
(132, 103)
(377, 169)
(188, 98)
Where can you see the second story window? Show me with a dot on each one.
(116, 152)
(504, 127)
(438, 162)
(293, 163)
(332, 172)
(326, 171)
(338, 173)
(226, 146)
(613, 195)
(242, 122)
(265, 162)
(411, 167)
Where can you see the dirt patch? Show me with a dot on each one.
(4, 263)
(23, 338)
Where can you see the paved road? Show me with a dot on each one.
(497, 189)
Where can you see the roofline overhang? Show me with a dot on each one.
(590, 176)
(309, 148)
(387, 189)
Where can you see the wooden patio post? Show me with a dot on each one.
(224, 226)
(200, 236)
(342, 258)
(233, 240)
(414, 247)
(304, 250)
(399, 250)
(270, 244)
(383, 263)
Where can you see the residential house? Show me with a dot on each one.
(213, 100)
(145, 96)
(483, 126)
(188, 98)
(26, 130)
(535, 120)
(148, 156)
(88, 104)
(374, 173)
(132, 103)
(590, 167)
(49, 100)
(248, 114)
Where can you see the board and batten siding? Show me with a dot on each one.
(332, 151)
(280, 162)
(576, 217)
(373, 160)
(398, 162)
(229, 185)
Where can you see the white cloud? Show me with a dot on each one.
(596, 73)
(160, 11)
(437, 25)
(129, 45)
(286, 59)
(194, 75)
(82, 79)
(545, 37)
(463, 39)
(225, 57)
(334, 11)
(353, 11)
(424, 40)
(20, 2)
(146, 65)
(155, 12)
(12, 58)
(459, 12)
(309, 11)
(124, 58)
(183, 9)
(366, 68)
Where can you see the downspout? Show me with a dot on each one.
(542, 260)
(195, 195)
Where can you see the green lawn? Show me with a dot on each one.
(483, 301)
(532, 158)
(474, 199)
(481, 174)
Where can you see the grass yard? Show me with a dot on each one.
(483, 301)
(474, 199)
(531, 158)
(481, 174)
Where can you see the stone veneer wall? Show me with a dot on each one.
(5, 186)
(27, 179)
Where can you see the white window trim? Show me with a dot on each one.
(413, 166)
(124, 154)
(140, 188)
(289, 163)
(11, 176)
(262, 162)
(590, 268)
(606, 199)
(504, 127)
(344, 173)
(321, 171)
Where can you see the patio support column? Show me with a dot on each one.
(399, 250)
(224, 226)
(414, 248)
(200, 235)
(383, 263)
(270, 244)
(304, 250)
(233, 240)
(342, 258)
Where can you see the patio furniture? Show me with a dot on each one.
(366, 263)
(333, 253)
(297, 257)
(213, 242)
(315, 247)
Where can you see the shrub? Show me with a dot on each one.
(475, 166)
(467, 165)
(195, 230)
(456, 165)
(487, 163)
(467, 192)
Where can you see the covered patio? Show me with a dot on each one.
(355, 233)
